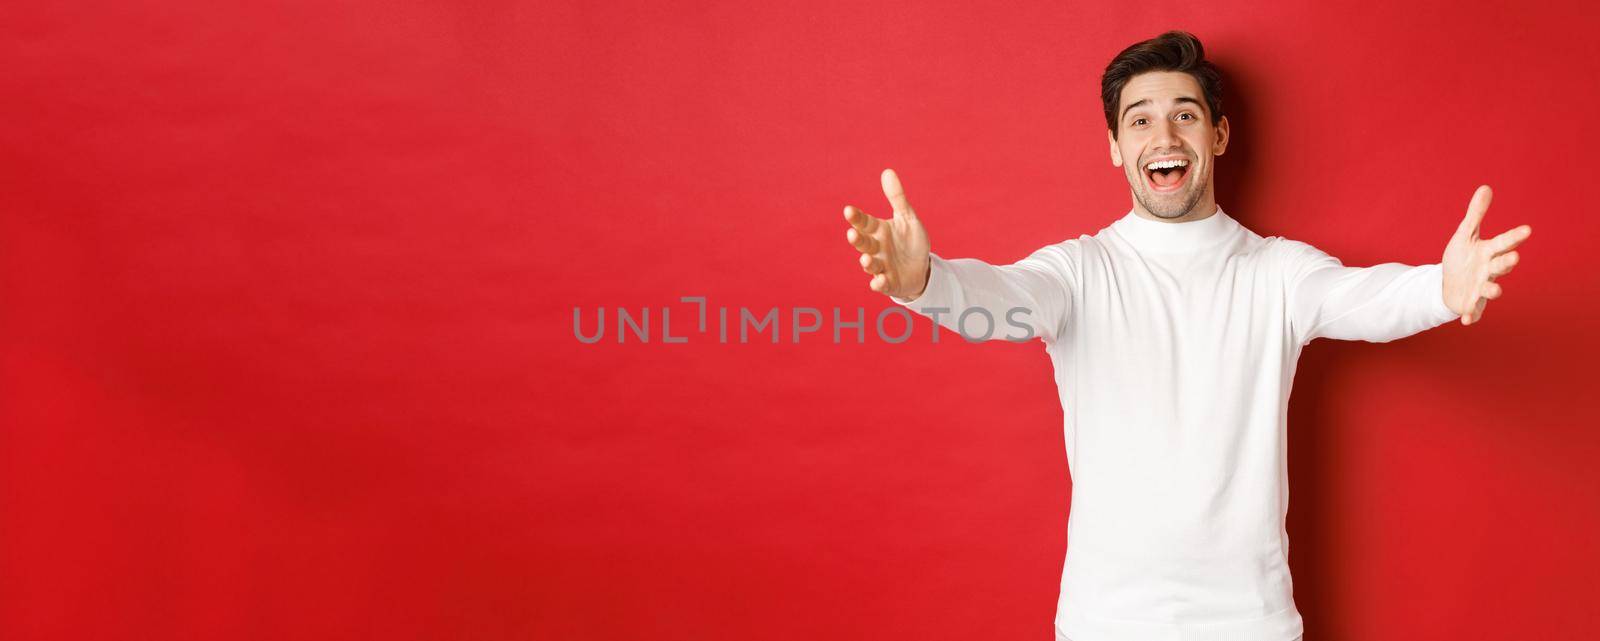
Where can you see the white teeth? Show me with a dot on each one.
(1166, 164)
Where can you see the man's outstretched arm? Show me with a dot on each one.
(1390, 301)
(1031, 294)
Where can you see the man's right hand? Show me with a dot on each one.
(894, 251)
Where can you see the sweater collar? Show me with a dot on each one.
(1194, 235)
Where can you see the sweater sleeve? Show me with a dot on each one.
(1375, 304)
(1031, 298)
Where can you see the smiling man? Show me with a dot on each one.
(1174, 333)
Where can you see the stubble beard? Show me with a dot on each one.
(1175, 205)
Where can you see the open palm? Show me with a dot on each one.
(894, 251)
(1471, 264)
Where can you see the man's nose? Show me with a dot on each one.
(1166, 134)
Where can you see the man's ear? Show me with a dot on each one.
(1116, 154)
(1222, 137)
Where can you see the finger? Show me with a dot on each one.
(862, 242)
(1475, 211)
(871, 265)
(896, 193)
(1509, 240)
(1502, 264)
(1491, 290)
(879, 283)
(860, 220)
(1473, 315)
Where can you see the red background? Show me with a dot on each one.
(286, 296)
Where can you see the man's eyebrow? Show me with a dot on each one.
(1177, 101)
(1140, 103)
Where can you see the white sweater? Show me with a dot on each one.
(1174, 347)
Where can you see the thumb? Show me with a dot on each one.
(1475, 212)
(897, 195)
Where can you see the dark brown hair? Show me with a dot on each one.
(1170, 51)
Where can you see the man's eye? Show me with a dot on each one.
(1138, 121)
(1186, 115)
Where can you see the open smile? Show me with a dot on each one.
(1166, 175)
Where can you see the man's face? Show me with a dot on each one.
(1163, 121)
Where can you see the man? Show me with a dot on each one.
(1174, 334)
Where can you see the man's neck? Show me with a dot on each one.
(1201, 211)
